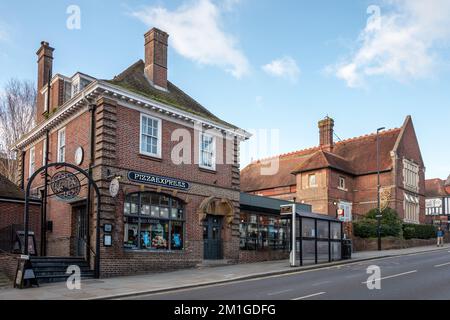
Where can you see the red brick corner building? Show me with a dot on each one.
(343, 175)
(167, 214)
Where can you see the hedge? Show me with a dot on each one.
(391, 226)
(419, 231)
(368, 228)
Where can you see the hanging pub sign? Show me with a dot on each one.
(146, 178)
(65, 185)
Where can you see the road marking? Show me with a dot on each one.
(320, 283)
(279, 292)
(389, 277)
(441, 265)
(310, 296)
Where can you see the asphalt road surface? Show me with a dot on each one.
(420, 276)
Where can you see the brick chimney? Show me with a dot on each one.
(45, 65)
(326, 132)
(156, 42)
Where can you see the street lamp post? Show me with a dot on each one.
(378, 189)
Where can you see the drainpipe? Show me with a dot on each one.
(92, 109)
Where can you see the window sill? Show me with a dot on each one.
(153, 251)
(149, 157)
(342, 189)
(207, 170)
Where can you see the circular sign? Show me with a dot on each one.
(65, 185)
(79, 155)
(114, 187)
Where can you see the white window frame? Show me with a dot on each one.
(348, 208)
(315, 185)
(158, 153)
(46, 100)
(412, 209)
(61, 146)
(411, 177)
(44, 151)
(32, 162)
(341, 178)
(213, 155)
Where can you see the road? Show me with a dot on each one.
(419, 276)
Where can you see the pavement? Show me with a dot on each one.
(158, 284)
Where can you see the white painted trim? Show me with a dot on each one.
(159, 153)
(58, 159)
(95, 86)
(31, 151)
(200, 140)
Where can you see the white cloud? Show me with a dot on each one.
(285, 67)
(403, 43)
(196, 33)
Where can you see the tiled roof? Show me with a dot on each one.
(133, 79)
(447, 182)
(435, 188)
(9, 190)
(355, 156)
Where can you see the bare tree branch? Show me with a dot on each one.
(17, 117)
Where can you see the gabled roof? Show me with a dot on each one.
(9, 190)
(356, 156)
(323, 159)
(435, 188)
(133, 79)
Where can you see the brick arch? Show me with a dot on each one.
(216, 207)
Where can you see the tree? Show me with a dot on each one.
(17, 117)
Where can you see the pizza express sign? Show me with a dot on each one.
(146, 178)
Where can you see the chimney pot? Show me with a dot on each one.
(156, 43)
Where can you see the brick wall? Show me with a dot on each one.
(13, 213)
(246, 256)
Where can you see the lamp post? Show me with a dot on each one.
(378, 189)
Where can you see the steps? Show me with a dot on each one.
(213, 263)
(53, 269)
(4, 281)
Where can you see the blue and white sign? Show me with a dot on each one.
(147, 178)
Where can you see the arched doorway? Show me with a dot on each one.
(215, 214)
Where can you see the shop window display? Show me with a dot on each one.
(153, 222)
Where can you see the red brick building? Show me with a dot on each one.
(177, 165)
(343, 175)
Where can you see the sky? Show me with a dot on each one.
(274, 68)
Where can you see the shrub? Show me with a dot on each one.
(366, 228)
(408, 232)
(389, 216)
(419, 231)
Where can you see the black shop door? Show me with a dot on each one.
(212, 238)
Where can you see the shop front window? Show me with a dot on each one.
(261, 232)
(153, 222)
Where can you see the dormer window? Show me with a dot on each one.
(75, 87)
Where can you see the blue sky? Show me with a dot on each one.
(264, 64)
